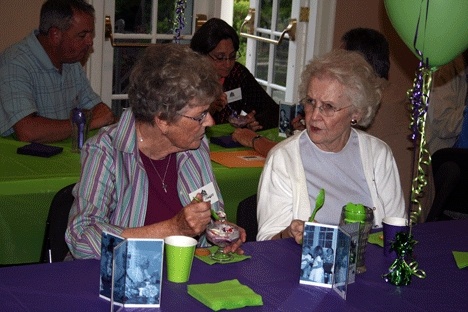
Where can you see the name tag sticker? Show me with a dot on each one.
(208, 192)
(234, 95)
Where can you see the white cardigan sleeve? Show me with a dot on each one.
(382, 178)
(282, 191)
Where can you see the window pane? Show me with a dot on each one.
(261, 68)
(118, 106)
(278, 95)
(284, 14)
(265, 10)
(133, 16)
(124, 58)
(280, 66)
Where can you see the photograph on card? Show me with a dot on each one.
(108, 243)
(317, 247)
(137, 273)
(341, 265)
(325, 255)
(287, 113)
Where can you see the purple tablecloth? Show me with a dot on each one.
(273, 272)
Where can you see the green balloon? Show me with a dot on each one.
(440, 26)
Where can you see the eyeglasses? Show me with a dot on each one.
(222, 58)
(326, 110)
(198, 119)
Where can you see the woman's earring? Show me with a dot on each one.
(353, 122)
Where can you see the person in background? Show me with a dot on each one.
(144, 176)
(447, 103)
(447, 140)
(306, 262)
(42, 79)
(328, 260)
(317, 273)
(220, 43)
(339, 90)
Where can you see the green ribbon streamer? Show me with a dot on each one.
(400, 272)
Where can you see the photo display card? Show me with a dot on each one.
(327, 256)
(131, 271)
(287, 112)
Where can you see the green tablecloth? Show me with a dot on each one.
(28, 184)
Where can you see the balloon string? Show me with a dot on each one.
(419, 97)
(415, 40)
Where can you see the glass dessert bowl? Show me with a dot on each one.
(238, 121)
(222, 234)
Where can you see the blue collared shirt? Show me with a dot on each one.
(29, 83)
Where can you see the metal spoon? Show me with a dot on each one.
(318, 204)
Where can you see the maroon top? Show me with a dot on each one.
(161, 205)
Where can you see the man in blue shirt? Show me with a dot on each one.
(42, 79)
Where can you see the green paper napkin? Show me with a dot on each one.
(228, 295)
(461, 258)
(207, 259)
(376, 238)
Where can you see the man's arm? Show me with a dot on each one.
(33, 128)
(102, 116)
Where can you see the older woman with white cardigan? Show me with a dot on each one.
(340, 91)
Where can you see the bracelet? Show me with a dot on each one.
(255, 138)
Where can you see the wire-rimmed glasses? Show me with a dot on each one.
(326, 109)
(198, 119)
(222, 58)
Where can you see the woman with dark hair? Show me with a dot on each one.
(220, 43)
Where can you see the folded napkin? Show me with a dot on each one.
(376, 238)
(207, 259)
(461, 258)
(228, 295)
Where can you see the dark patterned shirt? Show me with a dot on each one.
(254, 97)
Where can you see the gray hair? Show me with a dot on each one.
(169, 77)
(59, 13)
(361, 84)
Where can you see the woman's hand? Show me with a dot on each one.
(193, 218)
(244, 136)
(219, 103)
(235, 247)
(298, 123)
(295, 230)
(252, 123)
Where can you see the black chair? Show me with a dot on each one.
(247, 217)
(450, 172)
(54, 247)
